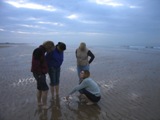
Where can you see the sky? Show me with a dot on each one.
(96, 22)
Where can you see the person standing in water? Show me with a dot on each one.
(39, 69)
(83, 61)
(88, 88)
(54, 61)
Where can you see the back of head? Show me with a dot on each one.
(62, 46)
(49, 45)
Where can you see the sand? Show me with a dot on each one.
(128, 79)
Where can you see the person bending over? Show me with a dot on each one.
(88, 88)
(55, 60)
(39, 69)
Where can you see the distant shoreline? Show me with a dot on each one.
(7, 43)
(3, 45)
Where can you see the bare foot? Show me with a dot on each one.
(44, 107)
(83, 100)
(89, 103)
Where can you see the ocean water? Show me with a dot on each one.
(128, 77)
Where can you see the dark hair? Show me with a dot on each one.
(87, 73)
(62, 45)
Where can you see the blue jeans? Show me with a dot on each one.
(54, 74)
(81, 68)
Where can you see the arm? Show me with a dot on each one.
(91, 55)
(79, 87)
(76, 53)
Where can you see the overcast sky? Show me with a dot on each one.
(103, 22)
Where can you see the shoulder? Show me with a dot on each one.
(37, 51)
(89, 51)
(55, 50)
(77, 49)
(87, 80)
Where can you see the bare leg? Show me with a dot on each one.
(57, 89)
(39, 96)
(44, 98)
(52, 91)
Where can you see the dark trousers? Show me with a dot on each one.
(90, 96)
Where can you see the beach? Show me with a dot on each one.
(129, 79)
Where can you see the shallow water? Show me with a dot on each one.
(128, 79)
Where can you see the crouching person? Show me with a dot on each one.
(39, 69)
(88, 88)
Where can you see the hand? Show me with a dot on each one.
(67, 97)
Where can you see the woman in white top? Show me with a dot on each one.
(83, 54)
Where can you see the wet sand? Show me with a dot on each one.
(128, 79)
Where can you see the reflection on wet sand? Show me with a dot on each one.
(56, 109)
(42, 113)
(75, 110)
(84, 112)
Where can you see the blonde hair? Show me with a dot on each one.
(49, 45)
(83, 44)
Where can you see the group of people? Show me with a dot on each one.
(48, 58)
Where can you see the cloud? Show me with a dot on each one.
(91, 33)
(34, 33)
(102, 19)
(24, 18)
(51, 23)
(82, 33)
(32, 18)
(81, 19)
(25, 32)
(132, 6)
(20, 32)
(2, 29)
(30, 26)
(113, 3)
(73, 16)
(22, 4)
(89, 22)
(58, 33)
(108, 3)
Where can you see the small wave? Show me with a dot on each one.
(23, 55)
(137, 47)
(144, 47)
(156, 48)
(72, 69)
(105, 85)
(23, 81)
